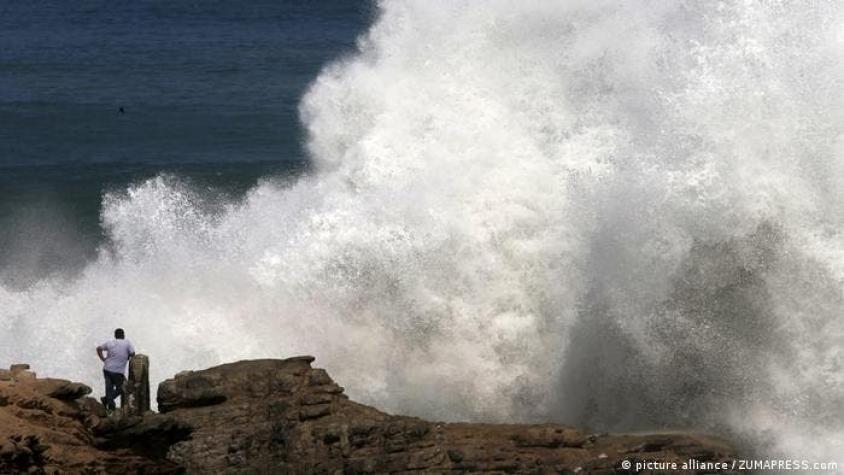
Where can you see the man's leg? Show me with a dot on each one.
(118, 386)
(108, 400)
(113, 388)
(104, 399)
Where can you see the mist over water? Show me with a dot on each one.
(624, 215)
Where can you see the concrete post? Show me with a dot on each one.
(135, 400)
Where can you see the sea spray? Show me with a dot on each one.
(619, 214)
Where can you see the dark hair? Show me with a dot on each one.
(119, 334)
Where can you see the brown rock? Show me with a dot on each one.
(291, 418)
(23, 375)
(61, 389)
(150, 435)
(190, 390)
(282, 416)
(45, 427)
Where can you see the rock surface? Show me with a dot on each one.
(284, 416)
(46, 426)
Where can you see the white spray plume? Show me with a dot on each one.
(620, 214)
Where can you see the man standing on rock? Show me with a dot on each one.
(118, 352)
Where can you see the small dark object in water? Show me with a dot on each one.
(121, 110)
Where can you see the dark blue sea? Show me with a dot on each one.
(97, 94)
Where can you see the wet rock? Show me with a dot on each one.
(23, 454)
(23, 375)
(282, 416)
(20, 371)
(654, 445)
(314, 412)
(455, 455)
(188, 391)
(150, 435)
(46, 426)
(62, 389)
(548, 436)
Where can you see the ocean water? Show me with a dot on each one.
(209, 92)
(620, 215)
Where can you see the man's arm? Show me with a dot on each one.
(100, 353)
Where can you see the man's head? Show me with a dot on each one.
(119, 334)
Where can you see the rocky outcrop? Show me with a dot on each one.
(47, 426)
(284, 416)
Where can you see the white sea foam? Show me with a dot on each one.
(620, 214)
